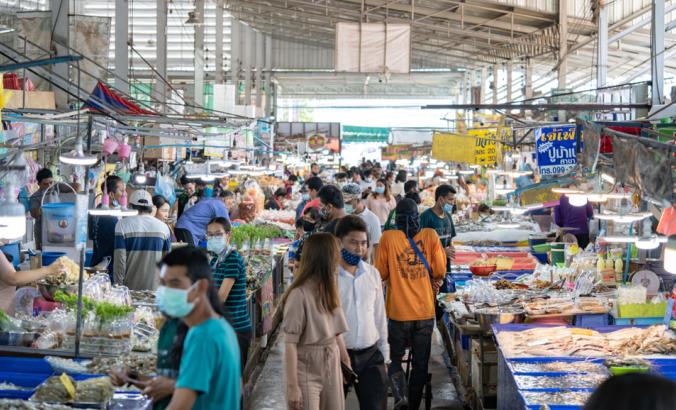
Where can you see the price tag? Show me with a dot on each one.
(65, 380)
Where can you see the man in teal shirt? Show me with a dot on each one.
(209, 375)
(439, 218)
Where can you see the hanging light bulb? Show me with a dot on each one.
(623, 218)
(566, 191)
(12, 217)
(77, 156)
(577, 199)
(670, 255)
(648, 243)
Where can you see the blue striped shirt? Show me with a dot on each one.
(234, 267)
(140, 242)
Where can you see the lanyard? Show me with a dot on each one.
(421, 256)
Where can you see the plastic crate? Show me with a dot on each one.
(594, 320)
(510, 363)
(16, 394)
(25, 365)
(29, 380)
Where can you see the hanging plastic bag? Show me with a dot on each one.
(165, 186)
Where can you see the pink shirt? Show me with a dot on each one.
(381, 207)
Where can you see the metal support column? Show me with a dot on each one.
(268, 76)
(657, 52)
(121, 46)
(509, 81)
(528, 79)
(199, 54)
(563, 42)
(496, 71)
(260, 55)
(60, 10)
(602, 46)
(235, 55)
(248, 57)
(161, 54)
(220, 76)
(484, 84)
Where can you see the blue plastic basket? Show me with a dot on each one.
(16, 394)
(25, 365)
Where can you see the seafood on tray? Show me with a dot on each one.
(581, 366)
(566, 341)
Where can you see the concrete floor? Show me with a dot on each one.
(268, 392)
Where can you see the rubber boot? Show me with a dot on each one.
(399, 390)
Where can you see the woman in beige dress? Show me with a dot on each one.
(312, 327)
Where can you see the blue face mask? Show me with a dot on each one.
(174, 302)
(448, 208)
(305, 197)
(350, 258)
(349, 208)
(216, 244)
(379, 190)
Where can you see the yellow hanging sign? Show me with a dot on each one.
(472, 149)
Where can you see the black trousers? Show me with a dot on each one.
(582, 240)
(184, 235)
(371, 389)
(244, 340)
(418, 335)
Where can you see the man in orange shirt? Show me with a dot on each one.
(410, 261)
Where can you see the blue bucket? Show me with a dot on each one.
(58, 222)
(89, 254)
(49, 257)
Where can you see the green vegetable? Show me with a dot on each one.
(104, 311)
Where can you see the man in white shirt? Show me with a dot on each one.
(354, 204)
(361, 297)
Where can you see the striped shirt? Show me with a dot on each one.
(232, 266)
(140, 242)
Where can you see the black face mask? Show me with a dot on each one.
(309, 226)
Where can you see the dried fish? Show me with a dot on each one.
(578, 398)
(569, 367)
(560, 382)
(94, 390)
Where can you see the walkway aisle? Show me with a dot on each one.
(268, 393)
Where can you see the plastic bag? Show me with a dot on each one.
(166, 187)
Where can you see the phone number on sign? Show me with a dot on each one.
(556, 170)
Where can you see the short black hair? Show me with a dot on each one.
(186, 180)
(312, 212)
(340, 175)
(350, 223)
(331, 195)
(314, 183)
(293, 178)
(299, 223)
(225, 194)
(142, 209)
(44, 173)
(111, 182)
(280, 192)
(410, 185)
(401, 176)
(223, 222)
(314, 164)
(443, 190)
(366, 173)
(197, 267)
(159, 200)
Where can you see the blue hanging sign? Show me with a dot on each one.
(555, 149)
